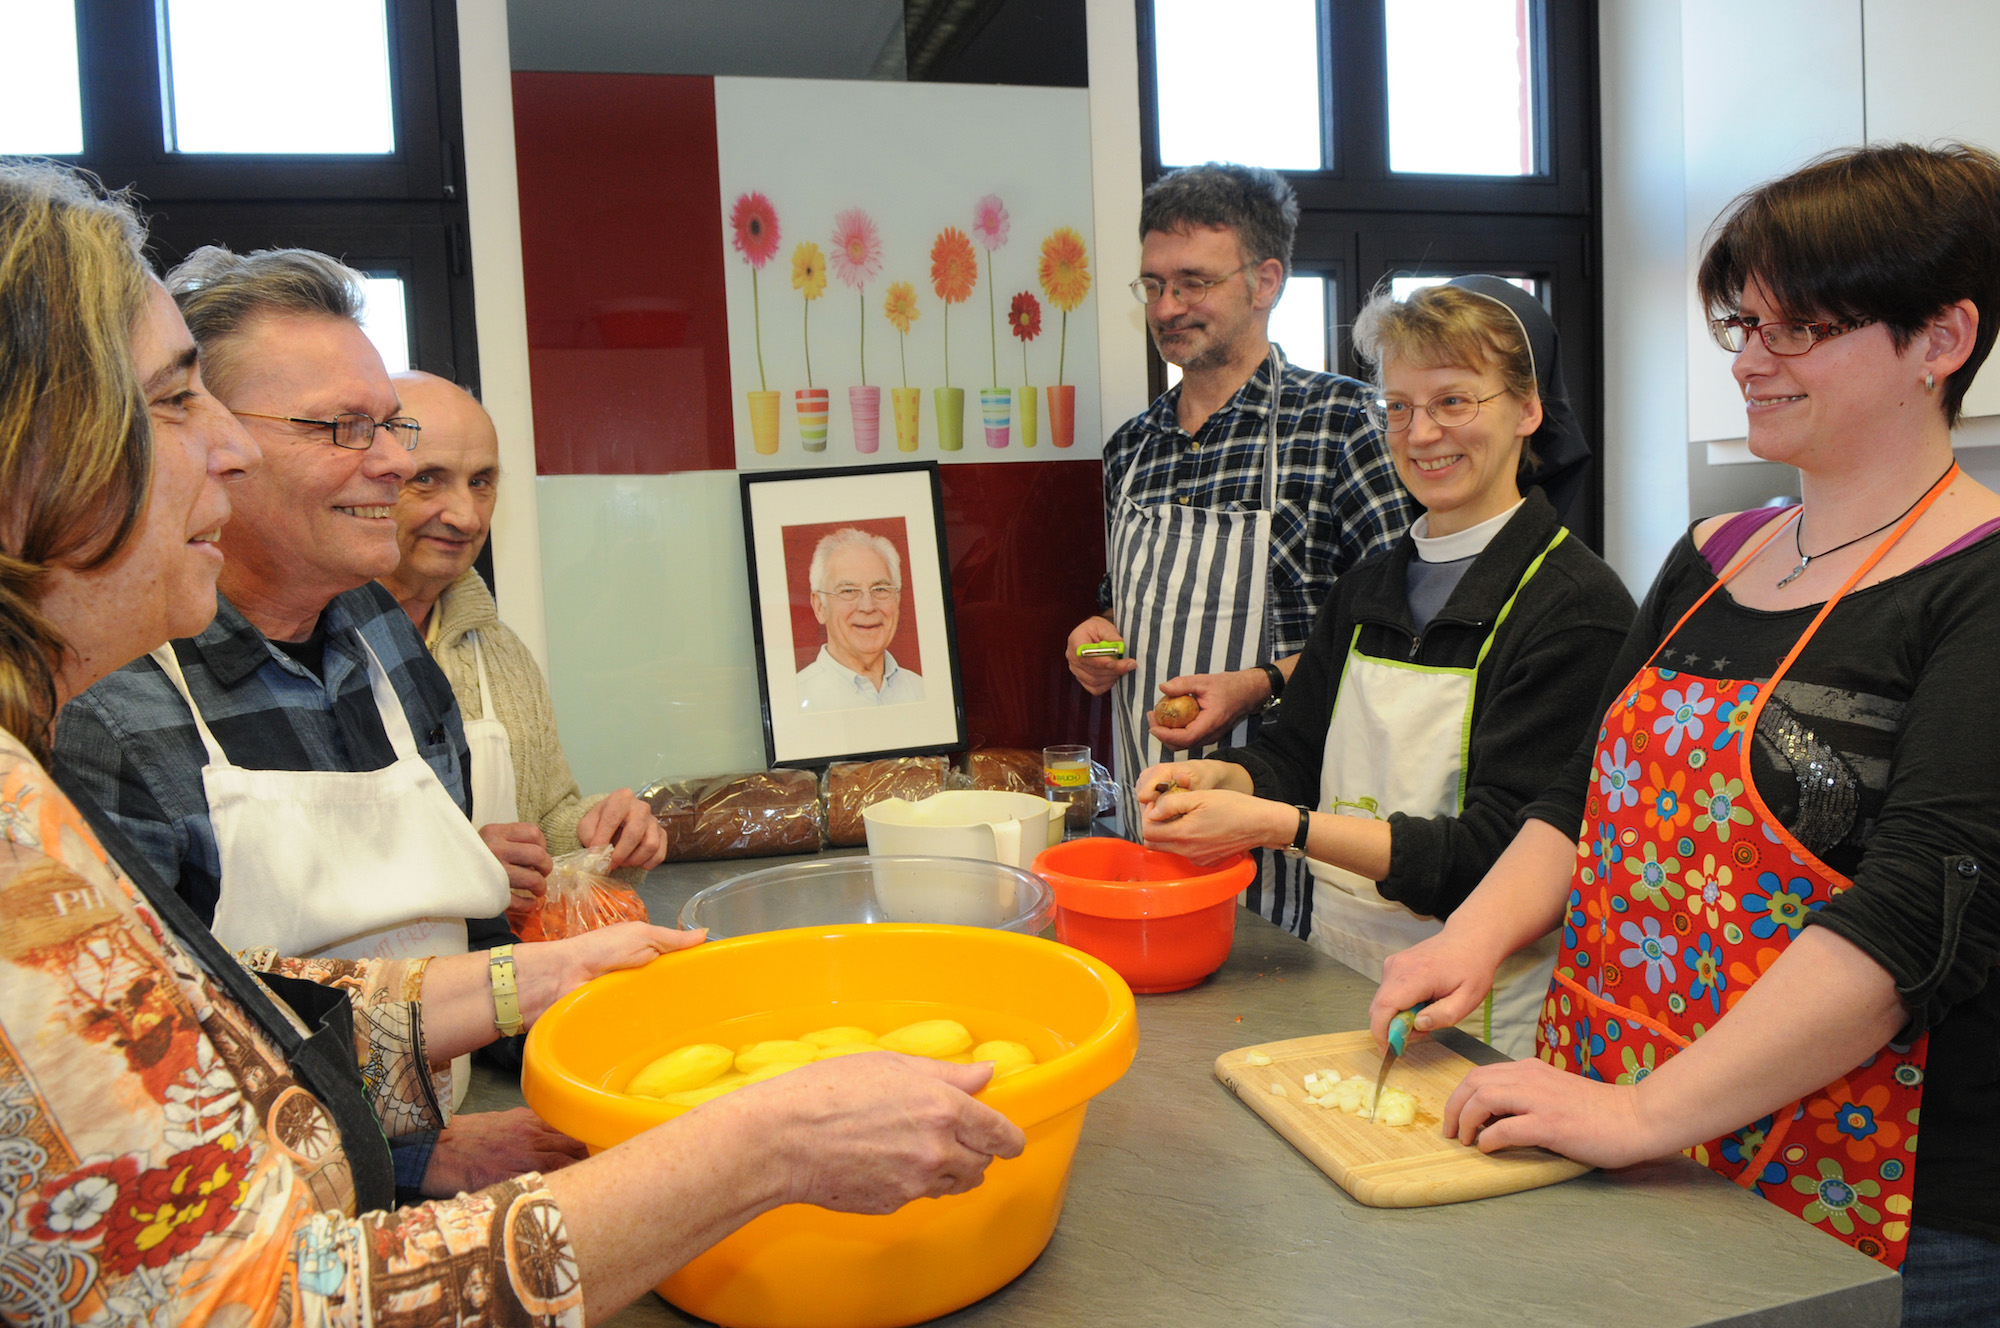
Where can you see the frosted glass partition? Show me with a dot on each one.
(1460, 96)
(386, 320)
(41, 109)
(650, 661)
(1238, 82)
(254, 76)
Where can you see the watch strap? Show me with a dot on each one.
(1277, 677)
(506, 993)
(1297, 848)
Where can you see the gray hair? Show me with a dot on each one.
(220, 292)
(1258, 204)
(848, 537)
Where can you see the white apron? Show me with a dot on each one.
(377, 864)
(1399, 741)
(1190, 591)
(494, 797)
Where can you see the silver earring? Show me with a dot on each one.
(1930, 382)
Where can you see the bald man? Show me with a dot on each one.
(521, 782)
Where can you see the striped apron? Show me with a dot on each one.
(1190, 591)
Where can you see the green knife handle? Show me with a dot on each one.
(1399, 1027)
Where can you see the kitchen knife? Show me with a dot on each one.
(1399, 1035)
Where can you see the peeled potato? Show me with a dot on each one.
(694, 1097)
(939, 1039)
(681, 1069)
(1176, 712)
(771, 1071)
(843, 1036)
(779, 1051)
(1007, 1057)
(846, 1049)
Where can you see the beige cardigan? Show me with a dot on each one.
(544, 786)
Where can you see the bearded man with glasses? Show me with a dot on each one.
(299, 770)
(1235, 501)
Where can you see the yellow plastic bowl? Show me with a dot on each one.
(805, 1267)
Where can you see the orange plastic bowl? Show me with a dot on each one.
(805, 1267)
(1161, 921)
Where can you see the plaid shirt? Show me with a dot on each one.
(130, 744)
(1338, 496)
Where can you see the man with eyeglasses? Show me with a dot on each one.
(298, 770)
(857, 596)
(1229, 514)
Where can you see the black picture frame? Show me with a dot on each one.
(807, 721)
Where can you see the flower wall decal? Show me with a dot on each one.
(900, 308)
(857, 257)
(753, 230)
(954, 272)
(990, 224)
(809, 279)
(1064, 273)
(1024, 320)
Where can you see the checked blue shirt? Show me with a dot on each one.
(1338, 496)
(129, 743)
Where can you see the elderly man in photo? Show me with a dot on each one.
(521, 780)
(857, 595)
(298, 770)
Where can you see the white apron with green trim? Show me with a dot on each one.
(1399, 741)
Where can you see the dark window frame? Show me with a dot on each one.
(1369, 223)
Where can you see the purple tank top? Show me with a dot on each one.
(1730, 537)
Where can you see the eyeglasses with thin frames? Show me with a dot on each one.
(1188, 290)
(880, 593)
(1733, 333)
(1449, 410)
(351, 429)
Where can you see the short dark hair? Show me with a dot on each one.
(1895, 232)
(1256, 203)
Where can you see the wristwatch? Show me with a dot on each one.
(1277, 677)
(506, 995)
(1297, 848)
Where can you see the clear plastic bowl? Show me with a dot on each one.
(961, 892)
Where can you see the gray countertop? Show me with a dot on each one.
(1185, 1208)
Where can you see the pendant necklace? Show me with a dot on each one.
(1798, 538)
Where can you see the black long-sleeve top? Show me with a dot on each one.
(1533, 696)
(1894, 704)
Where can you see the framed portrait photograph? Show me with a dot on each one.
(850, 600)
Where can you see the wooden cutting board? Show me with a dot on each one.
(1380, 1165)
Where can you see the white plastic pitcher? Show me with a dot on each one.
(965, 823)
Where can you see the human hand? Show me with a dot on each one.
(1533, 1104)
(546, 971)
(1153, 780)
(870, 1132)
(1451, 974)
(1097, 673)
(1224, 699)
(525, 854)
(1207, 825)
(622, 820)
(487, 1147)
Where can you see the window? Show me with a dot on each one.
(1452, 136)
(333, 126)
(316, 75)
(41, 106)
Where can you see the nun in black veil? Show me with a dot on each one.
(1450, 676)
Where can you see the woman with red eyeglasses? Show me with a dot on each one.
(1771, 863)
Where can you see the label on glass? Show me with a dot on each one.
(1066, 776)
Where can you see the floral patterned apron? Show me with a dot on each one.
(1686, 891)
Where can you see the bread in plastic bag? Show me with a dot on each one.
(756, 814)
(1005, 769)
(581, 897)
(853, 786)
